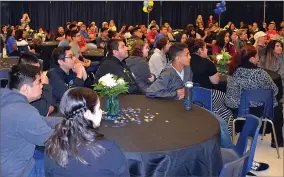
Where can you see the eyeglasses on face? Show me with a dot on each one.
(70, 56)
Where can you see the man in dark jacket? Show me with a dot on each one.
(67, 74)
(114, 64)
(22, 127)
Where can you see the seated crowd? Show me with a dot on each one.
(155, 64)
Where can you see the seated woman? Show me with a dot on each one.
(244, 74)
(158, 60)
(204, 71)
(11, 43)
(92, 33)
(76, 148)
(138, 65)
(181, 37)
(22, 44)
(273, 59)
(223, 43)
(205, 74)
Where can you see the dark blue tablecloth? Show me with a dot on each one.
(175, 143)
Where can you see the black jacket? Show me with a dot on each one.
(60, 82)
(114, 66)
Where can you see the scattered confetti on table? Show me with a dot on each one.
(130, 115)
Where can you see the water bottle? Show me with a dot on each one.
(188, 95)
(99, 35)
(5, 53)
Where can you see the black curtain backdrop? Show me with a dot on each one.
(52, 14)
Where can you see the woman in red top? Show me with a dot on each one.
(271, 33)
(223, 43)
(211, 20)
(92, 32)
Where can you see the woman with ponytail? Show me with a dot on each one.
(76, 148)
(244, 74)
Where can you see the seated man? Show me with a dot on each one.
(170, 83)
(74, 44)
(151, 35)
(163, 33)
(114, 64)
(136, 35)
(22, 127)
(67, 40)
(59, 35)
(44, 104)
(67, 74)
(103, 39)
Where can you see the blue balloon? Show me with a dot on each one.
(220, 8)
(217, 11)
(145, 3)
(218, 4)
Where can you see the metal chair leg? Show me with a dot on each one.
(233, 129)
(275, 138)
(264, 128)
(229, 122)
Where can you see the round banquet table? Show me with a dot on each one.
(94, 54)
(176, 143)
(222, 86)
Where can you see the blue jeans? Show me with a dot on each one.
(226, 141)
(38, 169)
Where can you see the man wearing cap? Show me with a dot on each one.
(259, 44)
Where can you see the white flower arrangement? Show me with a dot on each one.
(110, 85)
(223, 57)
(29, 30)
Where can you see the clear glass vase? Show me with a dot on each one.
(223, 68)
(112, 106)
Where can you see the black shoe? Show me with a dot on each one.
(259, 166)
(250, 174)
(273, 145)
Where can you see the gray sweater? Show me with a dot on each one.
(22, 127)
(140, 68)
(167, 84)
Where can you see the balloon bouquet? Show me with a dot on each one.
(220, 8)
(148, 7)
